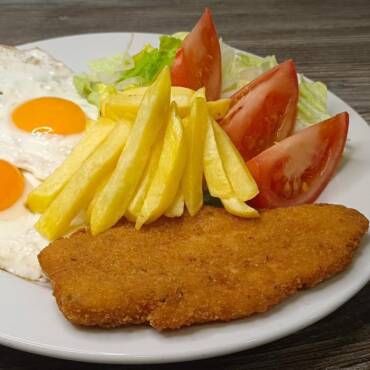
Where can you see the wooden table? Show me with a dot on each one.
(329, 41)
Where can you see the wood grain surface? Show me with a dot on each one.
(329, 40)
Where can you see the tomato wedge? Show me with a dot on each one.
(297, 169)
(198, 61)
(264, 111)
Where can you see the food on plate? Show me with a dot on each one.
(53, 115)
(312, 103)
(241, 181)
(112, 203)
(239, 68)
(264, 111)
(195, 134)
(217, 180)
(166, 181)
(219, 176)
(238, 208)
(160, 168)
(82, 186)
(269, 101)
(12, 184)
(20, 243)
(198, 61)
(42, 116)
(147, 141)
(126, 103)
(297, 169)
(137, 202)
(148, 179)
(41, 197)
(122, 71)
(218, 108)
(210, 267)
(177, 207)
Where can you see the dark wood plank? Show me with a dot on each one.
(329, 40)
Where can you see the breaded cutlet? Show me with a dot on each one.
(210, 267)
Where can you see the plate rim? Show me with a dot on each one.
(126, 359)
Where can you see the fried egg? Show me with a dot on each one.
(20, 243)
(42, 117)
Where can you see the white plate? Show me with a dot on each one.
(30, 320)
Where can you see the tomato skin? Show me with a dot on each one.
(198, 61)
(264, 111)
(308, 157)
(179, 70)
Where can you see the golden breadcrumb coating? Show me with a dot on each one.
(210, 267)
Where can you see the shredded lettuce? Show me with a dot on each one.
(150, 61)
(108, 70)
(312, 102)
(91, 90)
(239, 68)
(122, 71)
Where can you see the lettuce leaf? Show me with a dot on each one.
(122, 71)
(312, 102)
(150, 61)
(108, 70)
(239, 68)
(91, 90)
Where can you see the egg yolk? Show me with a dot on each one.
(51, 115)
(11, 184)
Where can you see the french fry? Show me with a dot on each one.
(218, 108)
(214, 172)
(220, 159)
(195, 133)
(83, 184)
(167, 178)
(112, 203)
(242, 182)
(126, 104)
(200, 93)
(99, 189)
(238, 208)
(118, 105)
(176, 209)
(137, 202)
(40, 197)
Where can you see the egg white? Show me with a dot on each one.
(20, 243)
(25, 75)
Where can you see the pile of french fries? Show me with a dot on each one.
(146, 156)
